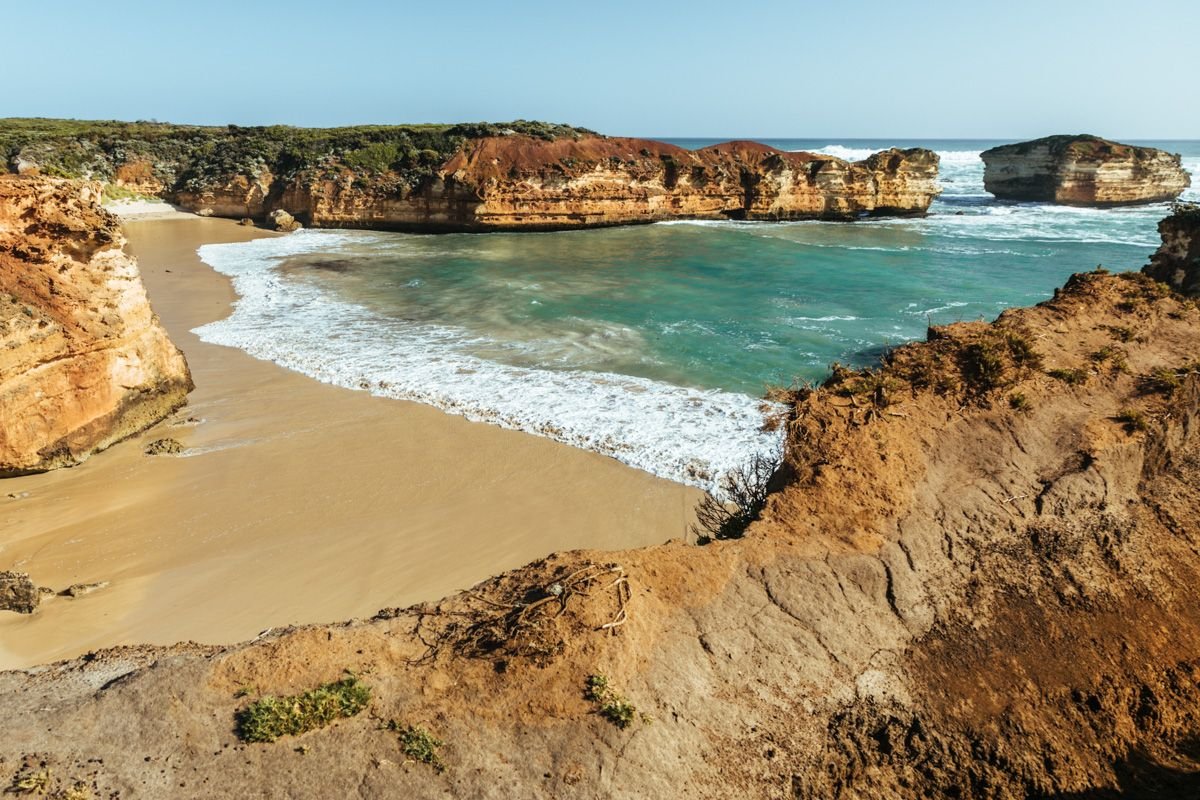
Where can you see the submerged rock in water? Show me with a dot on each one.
(17, 593)
(1083, 171)
(84, 362)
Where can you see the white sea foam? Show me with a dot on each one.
(687, 435)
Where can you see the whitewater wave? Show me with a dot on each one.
(687, 435)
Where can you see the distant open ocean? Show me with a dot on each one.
(654, 344)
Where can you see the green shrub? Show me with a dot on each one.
(267, 719)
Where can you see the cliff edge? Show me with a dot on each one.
(1083, 171)
(975, 578)
(84, 362)
(474, 177)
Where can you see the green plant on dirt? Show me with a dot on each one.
(1071, 377)
(267, 719)
(1017, 401)
(1021, 350)
(1165, 380)
(1133, 420)
(982, 366)
(610, 705)
(875, 386)
(419, 745)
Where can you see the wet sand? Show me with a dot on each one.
(295, 501)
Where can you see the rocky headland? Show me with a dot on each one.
(974, 577)
(1083, 170)
(84, 362)
(519, 176)
(1177, 262)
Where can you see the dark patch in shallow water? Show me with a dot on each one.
(323, 264)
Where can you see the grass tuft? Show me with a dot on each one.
(419, 745)
(267, 719)
(1071, 377)
(1135, 421)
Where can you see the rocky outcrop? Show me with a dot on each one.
(234, 196)
(975, 579)
(280, 220)
(84, 362)
(1083, 171)
(479, 177)
(525, 183)
(17, 593)
(1177, 261)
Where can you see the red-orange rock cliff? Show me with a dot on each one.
(84, 362)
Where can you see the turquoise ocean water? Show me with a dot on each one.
(654, 343)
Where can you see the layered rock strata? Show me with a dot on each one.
(84, 361)
(474, 177)
(975, 579)
(525, 183)
(1083, 171)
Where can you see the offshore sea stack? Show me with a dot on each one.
(1083, 170)
(526, 183)
(975, 578)
(1177, 261)
(84, 362)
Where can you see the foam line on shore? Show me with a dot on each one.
(691, 436)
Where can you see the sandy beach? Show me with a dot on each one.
(294, 501)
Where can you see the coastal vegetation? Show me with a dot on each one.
(269, 718)
(191, 157)
(614, 707)
(419, 745)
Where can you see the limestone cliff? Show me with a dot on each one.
(525, 183)
(1177, 261)
(976, 579)
(518, 176)
(1083, 171)
(84, 362)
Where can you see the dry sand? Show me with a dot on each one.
(295, 501)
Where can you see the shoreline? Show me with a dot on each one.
(294, 501)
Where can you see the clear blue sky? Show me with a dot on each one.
(967, 68)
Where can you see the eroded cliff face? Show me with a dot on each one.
(84, 362)
(976, 579)
(1177, 261)
(1083, 171)
(525, 183)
